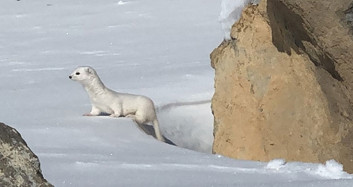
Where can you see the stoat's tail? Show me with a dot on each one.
(157, 130)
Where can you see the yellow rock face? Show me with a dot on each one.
(275, 97)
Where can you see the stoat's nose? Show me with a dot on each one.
(70, 77)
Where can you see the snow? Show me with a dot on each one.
(157, 48)
(332, 170)
(276, 164)
(231, 12)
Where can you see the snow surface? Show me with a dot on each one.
(158, 48)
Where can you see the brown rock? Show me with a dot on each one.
(283, 84)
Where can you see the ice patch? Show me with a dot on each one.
(20, 16)
(37, 28)
(10, 63)
(276, 164)
(332, 170)
(85, 164)
(37, 69)
(52, 155)
(115, 26)
(122, 2)
(135, 166)
(99, 53)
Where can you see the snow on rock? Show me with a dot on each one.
(332, 170)
(230, 13)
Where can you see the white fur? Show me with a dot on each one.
(104, 100)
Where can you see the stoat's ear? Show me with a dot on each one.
(89, 70)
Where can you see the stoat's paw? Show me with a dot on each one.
(130, 116)
(114, 115)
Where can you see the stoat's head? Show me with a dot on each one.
(83, 74)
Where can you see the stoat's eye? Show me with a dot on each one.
(77, 73)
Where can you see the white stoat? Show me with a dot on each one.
(104, 100)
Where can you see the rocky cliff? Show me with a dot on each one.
(19, 166)
(284, 83)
